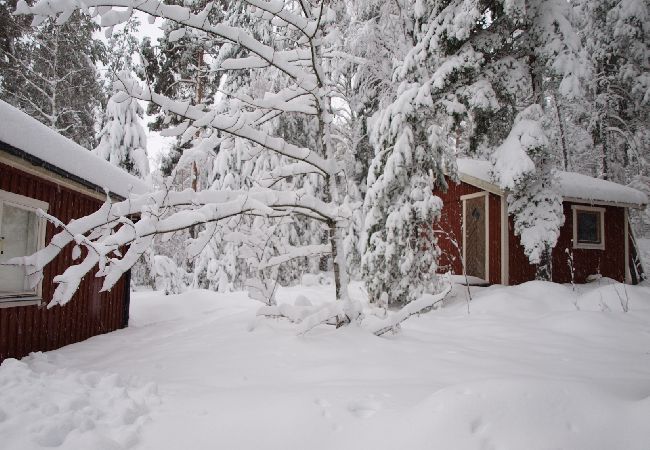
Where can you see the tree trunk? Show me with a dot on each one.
(544, 268)
(565, 153)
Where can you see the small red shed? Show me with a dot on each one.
(475, 230)
(40, 169)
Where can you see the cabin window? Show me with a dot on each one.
(22, 232)
(588, 227)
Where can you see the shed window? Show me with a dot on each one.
(588, 227)
(22, 233)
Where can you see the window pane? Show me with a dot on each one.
(589, 227)
(18, 230)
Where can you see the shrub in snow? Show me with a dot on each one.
(167, 276)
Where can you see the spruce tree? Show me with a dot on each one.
(50, 73)
(123, 140)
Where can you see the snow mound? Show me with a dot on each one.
(318, 279)
(148, 308)
(42, 406)
(539, 298)
(530, 414)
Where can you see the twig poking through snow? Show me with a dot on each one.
(425, 302)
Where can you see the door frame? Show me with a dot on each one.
(464, 199)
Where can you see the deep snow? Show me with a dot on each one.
(536, 366)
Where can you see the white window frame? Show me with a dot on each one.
(35, 296)
(583, 245)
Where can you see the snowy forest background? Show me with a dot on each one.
(335, 121)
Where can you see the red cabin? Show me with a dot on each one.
(40, 169)
(476, 232)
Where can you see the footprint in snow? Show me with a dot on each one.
(477, 426)
(324, 406)
(364, 408)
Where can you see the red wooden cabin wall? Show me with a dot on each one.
(609, 262)
(27, 329)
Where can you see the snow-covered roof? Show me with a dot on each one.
(574, 186)
(30, 136)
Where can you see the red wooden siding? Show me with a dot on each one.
(495, 239)
(32, 328)
(449, 230)
(609, 262)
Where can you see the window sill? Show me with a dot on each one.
(20, 301)
(589, 246)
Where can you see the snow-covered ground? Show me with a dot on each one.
(536, 366)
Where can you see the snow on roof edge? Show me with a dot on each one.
(573, 185)
(27, 134)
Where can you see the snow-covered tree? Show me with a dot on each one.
(525, 168)
(123, 140)
(49, 72)
(472, 74)
(300, 33)
(414, 135)
(616, 38)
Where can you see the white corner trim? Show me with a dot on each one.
(474, 195)
(626, 244)
(481, 184)
(487, 237)
(505, 242)
(463, 228)
(576, 244)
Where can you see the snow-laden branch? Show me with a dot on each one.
(236, 125)
(306, 317)
(179, 14)
(286, 100)
(107, 230)
(425, 302)
(290, 170)
(276, 8)
(297, 252)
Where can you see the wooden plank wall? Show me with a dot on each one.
(32, 328)
(449, 230)
(609, 262)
